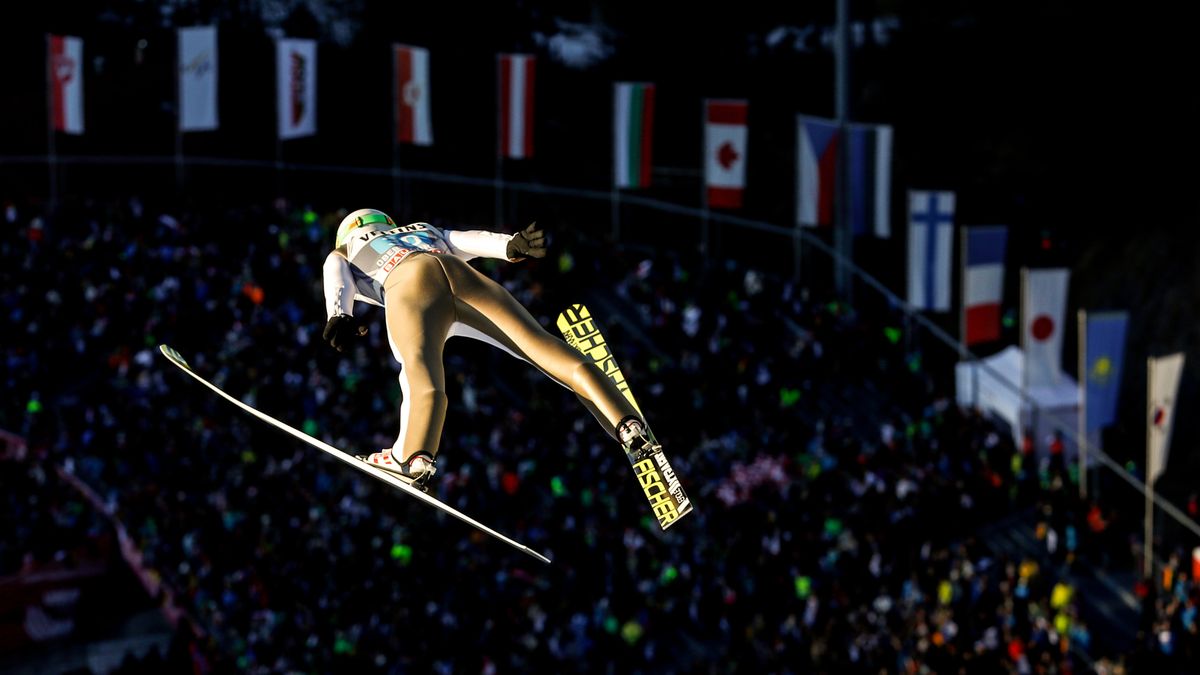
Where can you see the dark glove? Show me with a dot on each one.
(528, 243)
(340, 329)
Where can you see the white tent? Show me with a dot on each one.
(994, 386)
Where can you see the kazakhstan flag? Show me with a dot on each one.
(1104, 347)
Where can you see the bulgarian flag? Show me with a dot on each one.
(633, 127)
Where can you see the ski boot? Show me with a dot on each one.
(416, 471)
(636, 438)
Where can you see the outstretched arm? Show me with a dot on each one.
(528, 243)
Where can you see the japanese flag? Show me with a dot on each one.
(1044, 303)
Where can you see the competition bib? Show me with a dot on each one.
(378, 252)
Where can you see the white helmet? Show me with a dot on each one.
(358, 219)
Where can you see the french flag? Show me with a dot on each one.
(983, 282)
(816, 170)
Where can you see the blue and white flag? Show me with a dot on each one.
(930, 242)
(197, 50)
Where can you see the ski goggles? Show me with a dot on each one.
(361, 221)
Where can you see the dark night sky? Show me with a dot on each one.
(1056, 118)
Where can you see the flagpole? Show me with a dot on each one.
(614, 195)
(52, 155)
(704, 183)
(964, 352)
(1032, 431)
(178, 117)
(797, 235)
(1083, 402)
(1148, 545)
(962, 290)
(497, 175)
(841, 230)
(397, 201)
(615, 207)
(278, 127)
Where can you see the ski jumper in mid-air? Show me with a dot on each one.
(419, 275)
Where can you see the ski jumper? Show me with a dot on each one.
(419, 275)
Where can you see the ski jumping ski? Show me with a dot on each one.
(654, 473)
(395, 481)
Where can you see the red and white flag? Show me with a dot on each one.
(296, 87)
(66, 83)
(413, 124)
(1162, 387)
(516, 106)
(1044, 312)
(725, 134)
(197, 52)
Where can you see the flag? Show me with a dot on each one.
(725, 152)
(1104, 353)
(983, 282)
(296, 86)
(816, 170)
(197, 52)
(411, 67)
(1044, 307)
(1163, 375)
(516, 105)
(930, 239)
(66, 83)
(633, 127)
(870, 178)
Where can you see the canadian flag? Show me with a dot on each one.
(413, 124)
(516, 105)
(725, 135)
(66, 83)
(1044, 309)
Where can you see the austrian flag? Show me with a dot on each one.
(725, 152)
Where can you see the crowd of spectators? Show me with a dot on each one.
(838, 489)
